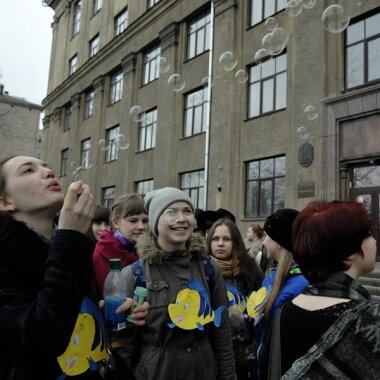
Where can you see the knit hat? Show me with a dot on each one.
(157, 201)
(278, 227)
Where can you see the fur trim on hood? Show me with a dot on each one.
(149, 250)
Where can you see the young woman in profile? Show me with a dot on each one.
(46, 309)
(335, 315)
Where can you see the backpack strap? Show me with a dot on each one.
(138, 274)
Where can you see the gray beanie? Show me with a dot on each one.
(157, 201)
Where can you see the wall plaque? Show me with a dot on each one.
(305, 154)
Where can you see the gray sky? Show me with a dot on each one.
(25, 45)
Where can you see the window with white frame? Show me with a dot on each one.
(265, 186)
(152, 2)
(116, 87)
(96, 6)
(262, 9)
(193, 184)
(198, 37)
(363, 51)
(147, 130)
(85, 148)
(196, 110)
(108, 196)
(73, 64)
(267, 86)
(143, 187)
(89, 103)
(112, 143)
(67, 117)
(64, 162)
(94, 46)
(121, 22)
(151, 64)
(76, 17)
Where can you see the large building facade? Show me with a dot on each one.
(244, 104)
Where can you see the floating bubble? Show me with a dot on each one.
(76, 170)
(228, 60)
(137, 114)
(176, 82)
(196, 99)
(311, 112)
(241, 76)
(261, 56)
(164, 65)
(274, 42)
(103, 144)
(335, 19)
(294, 8)
(308, 4)
(271, 23)
(122, 142)
(302, 133)
(205, 81)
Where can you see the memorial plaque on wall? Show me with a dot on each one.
(306, 190)
(305, 154)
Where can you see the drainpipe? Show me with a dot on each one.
(209, 86)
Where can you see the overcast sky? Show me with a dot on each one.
(25, 45)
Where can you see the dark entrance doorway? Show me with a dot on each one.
(365, 188)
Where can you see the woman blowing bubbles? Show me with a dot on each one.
(45, 277)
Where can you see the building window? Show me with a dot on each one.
(147, 130)
(151, 64)
(94, 46)
(121, 22)
(67, 120)
(261, 9)
(108, 196)
(152, 2)
(267, 86)
(198, 39)
(89, 103)
(85, 148)
(64, 161)
(116, 87)
(193, 184)
(143, 187)
(73, 64)
(112, 143)
(265, 186)
(76, 18)
(96, 6)
(196, 110)
(363, 51)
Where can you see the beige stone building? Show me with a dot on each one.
(237, 127)
(19, 123)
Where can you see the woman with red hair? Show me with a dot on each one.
(335, 324)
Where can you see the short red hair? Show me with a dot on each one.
(325, 234)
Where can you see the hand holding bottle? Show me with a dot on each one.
(139, 313)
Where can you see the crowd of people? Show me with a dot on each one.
(285, 304)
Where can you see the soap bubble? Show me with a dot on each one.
(308, 4)
(335, 19)
(228, 60)
(164, 65)
(122, 142)
(275, 42)
(195, 99)
(294, 8)
(206, 82)
(76, 170)
(302, 133)
(311, 112)
(176, 82)
(271, 23)
(241, 76)
(262, 55)
(103, 144)
(137, 114)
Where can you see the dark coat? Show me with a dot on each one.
(42, 287)
(173, 353)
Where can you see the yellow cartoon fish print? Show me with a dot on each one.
(255, 301)
(193, 309)
(235, 298)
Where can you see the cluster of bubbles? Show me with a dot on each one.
(294, 7)
(77, 168)
(229, 62)
(121, 143)
(311, 113)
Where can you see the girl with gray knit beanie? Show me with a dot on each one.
(171, 261)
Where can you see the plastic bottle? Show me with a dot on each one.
(138, 299)
(115, 293)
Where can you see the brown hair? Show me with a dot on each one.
(128, 205)
(257, 229)
(2, 175)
